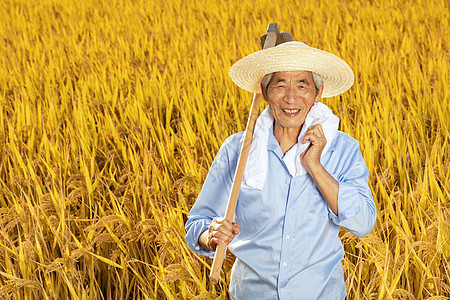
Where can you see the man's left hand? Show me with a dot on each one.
(311, 156)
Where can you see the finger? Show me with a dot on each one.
(316, 132)
(222, 232)
(309, 137)
(320, 129)
(221, 237)
(236, 228)
(315, 135)
(224, 222)
(222, 225)
(305, 139)
(213, 243)
(310, 132)
(224, 229)
(216, 241)
(317, 141)
(316, 129)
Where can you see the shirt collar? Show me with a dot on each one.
(272, 144)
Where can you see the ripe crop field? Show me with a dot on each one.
(111, 113)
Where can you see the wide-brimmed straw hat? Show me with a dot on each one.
(337, 75)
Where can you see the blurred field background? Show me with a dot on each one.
(112, 112)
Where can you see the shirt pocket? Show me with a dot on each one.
(252, 213)
(316, 203)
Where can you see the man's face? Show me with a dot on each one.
(290, 96)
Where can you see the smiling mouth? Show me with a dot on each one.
(291, 111)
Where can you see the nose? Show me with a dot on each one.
(290, 96)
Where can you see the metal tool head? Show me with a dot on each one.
(283, 37)
(271, 36)
(273, 27)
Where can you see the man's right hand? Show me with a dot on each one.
(220, 231)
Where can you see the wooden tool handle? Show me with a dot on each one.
(270, 41)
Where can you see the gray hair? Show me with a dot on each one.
(318, 81)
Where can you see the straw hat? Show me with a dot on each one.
(337, 75)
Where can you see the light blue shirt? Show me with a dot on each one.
(288, 246)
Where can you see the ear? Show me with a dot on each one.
(319, 95)
(263, 92)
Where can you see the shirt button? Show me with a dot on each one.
(284, 264)
(287, 181)
(290, 209)
(282, 290)
(287, 236)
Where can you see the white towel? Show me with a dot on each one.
(258, 160)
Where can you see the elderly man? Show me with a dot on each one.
(304, 179)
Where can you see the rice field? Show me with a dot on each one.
(111, 113)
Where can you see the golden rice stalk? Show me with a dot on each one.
(111, 113)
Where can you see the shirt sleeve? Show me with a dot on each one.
(213, 198)
(356, 207)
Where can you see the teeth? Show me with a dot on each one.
(291, 111)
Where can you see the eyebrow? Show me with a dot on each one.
(305, 81)
(279, 80)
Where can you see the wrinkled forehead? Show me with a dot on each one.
(292, 74)
(300, 74)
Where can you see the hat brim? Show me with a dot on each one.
(337, 75)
